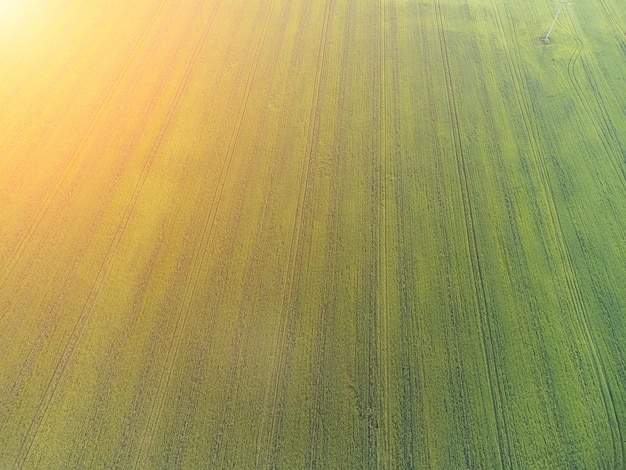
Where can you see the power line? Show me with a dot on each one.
(546, 38)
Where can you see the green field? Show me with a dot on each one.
(330, 234)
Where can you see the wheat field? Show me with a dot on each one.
(312, 234)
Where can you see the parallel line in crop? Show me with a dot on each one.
(384, 354)
(529, 119)
(405, 270)
(113, 354)
(484, 311)
(236, 360)
(287, 329)
(263, 455)
(236, 353)
(54, 312)
(198, 261)
(319, 439)
(601, 121)
(73, 157)
(576, 296)
(322, 359)
(462, 414)
(575, 293)
(125, 453)
(217, 439)
(217, 443)
(84, 315)
(364, 384)
(618, 29)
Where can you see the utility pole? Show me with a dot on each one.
(546, 39)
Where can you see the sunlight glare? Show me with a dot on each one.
(16, 11)
(16, 20)
(8, 9)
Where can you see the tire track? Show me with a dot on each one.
(318, 414)
(51, 314)
(287, 330)
(405, 271)
(600, 120)
(488, 342)
(199, 260)
(576, 297)
(72, 160)
(111, 370)
(125, 451)
(615, 25)
(85, 313)
(268, 450)
(247, 309)
(363, 386)
(384, 457)
(318, 435)
(249, 173)
(237, 347)
(250, 296)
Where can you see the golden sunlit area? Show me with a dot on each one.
(328, 234)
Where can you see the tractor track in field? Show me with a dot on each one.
(250, 292)
(250, 295)
(576, 296)
(384, 454)
(286, 329)
(116, 349)
(620, 36)
(199, 260)
(190, 287)
(599, 119)
(130, 432)
(484, 313)
(322, 357)
(318, 411)
(112, 370)
(405, 274)
(247, 308)
(581, 316)
(53, 313)
(263, 442)
(198, 366)
(289, 304)
(72, 159)
(85, 313)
